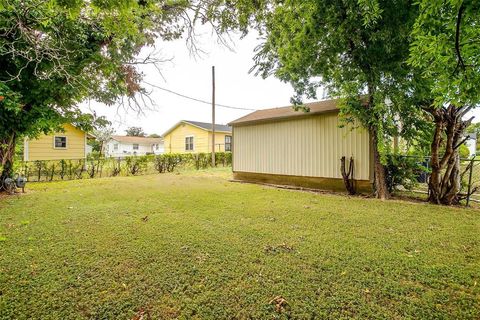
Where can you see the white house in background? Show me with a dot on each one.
(124, 146)
(471, 143)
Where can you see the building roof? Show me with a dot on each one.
(208, 126)
(202, 125)
(139, 140)
(286, 112)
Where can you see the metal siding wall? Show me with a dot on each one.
(310, 146)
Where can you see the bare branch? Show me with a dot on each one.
(460, 62)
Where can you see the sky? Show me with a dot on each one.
(191, 75)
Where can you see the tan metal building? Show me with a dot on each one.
(283, 146)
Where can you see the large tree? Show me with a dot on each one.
(446, 48)
(56, 53)
(355, 49)
(135, 132)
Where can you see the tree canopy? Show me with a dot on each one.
(356, 50)
(56, 53)
(446, 49)
(135, 132)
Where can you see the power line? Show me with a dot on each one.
(198, 100)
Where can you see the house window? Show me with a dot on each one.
(115, 147)
(157, 146)
(135, 146)
(188, 143)
(60, 142)
(228, 143)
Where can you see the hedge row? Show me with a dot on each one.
(94, 167)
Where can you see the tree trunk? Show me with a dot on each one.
(380, 181)
(348, 175)
(444, 185)
(379, 171)
(7, 154)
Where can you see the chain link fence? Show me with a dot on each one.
(470, 173)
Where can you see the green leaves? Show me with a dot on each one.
(70, 50)
(57, 53)
(371, 11)
(445, 48)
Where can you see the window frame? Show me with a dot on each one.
(55, 142)
(192, 143)
(228, 143)
(135, 144)
(115, 147)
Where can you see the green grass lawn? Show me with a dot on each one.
(194, 245)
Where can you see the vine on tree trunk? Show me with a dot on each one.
(444, 185)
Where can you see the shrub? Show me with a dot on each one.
(201, 160)
(94, 166)
(404, 171)
(223, 158)
(463, 151)
(136, 165)
(116, 167)
(169, 161)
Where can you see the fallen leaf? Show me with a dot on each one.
(141, 315)
(280, 303)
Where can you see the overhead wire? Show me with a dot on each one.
(196, 99)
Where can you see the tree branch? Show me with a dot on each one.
(457, 39)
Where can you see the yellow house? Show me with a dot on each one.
(69, 144)
(193, 136)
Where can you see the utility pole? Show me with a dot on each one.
(213, 116)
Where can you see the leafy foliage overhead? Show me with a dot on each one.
(352, 49)
(56, 53)
(446, 48)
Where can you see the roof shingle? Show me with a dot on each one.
(202, 125)
(208, 126)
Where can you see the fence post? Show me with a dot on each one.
(469, 182)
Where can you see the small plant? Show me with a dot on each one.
(136, 165)
(38, 168)
(404, 171)
(168, 162)
(117, 168)
(201, 160)
(63, 168)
